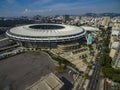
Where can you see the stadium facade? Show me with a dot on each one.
(46, 35)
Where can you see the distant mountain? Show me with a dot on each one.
(102, 14)
(90, 14)
(110, 14)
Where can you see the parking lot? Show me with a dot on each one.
(24, 69)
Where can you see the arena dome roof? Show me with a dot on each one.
(28, 31)
(45, 32)
(91, 29)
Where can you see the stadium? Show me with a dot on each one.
(46, 35)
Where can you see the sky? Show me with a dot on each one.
(57, 7)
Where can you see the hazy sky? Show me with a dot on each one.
(56, 7)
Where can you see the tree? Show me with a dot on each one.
(106, 50)
(90, 47)
(106, 60)
(11, 87)
(90, 66)
(65, 66)
(106, 42)
(60, 62)
(108, 72)
(86, 76)
(116, 78)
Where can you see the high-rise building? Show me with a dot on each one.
(65, 18)
(77, 19)
(89, 39)
(106, 21)
(116, 26)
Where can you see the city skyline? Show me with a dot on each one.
(57, 7)
(60, 45)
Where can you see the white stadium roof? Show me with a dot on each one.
(88, 28)
(58, 32)
(26, 31)
(48, 32)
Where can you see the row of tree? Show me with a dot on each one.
(106, 67)
(108, 70)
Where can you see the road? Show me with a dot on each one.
(3, 39)
(107, 86)
(78, 83)
(95, 78)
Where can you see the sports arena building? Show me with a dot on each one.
(46, 35)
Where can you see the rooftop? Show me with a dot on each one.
(45, 30)
(49, 82)
(117, 61)
(115, 45)
(115, 32)
(89, 28)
